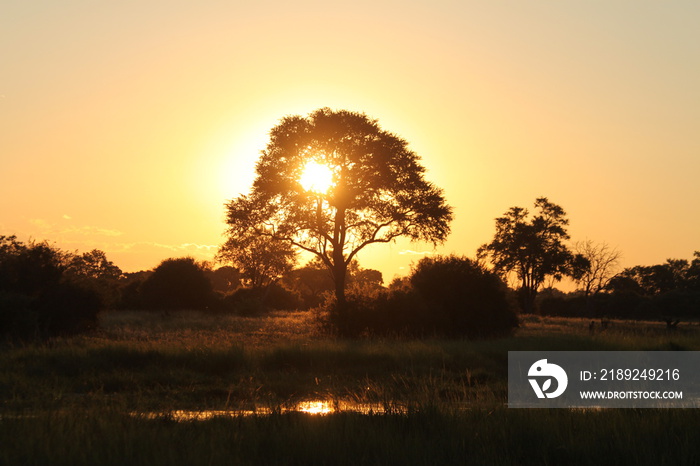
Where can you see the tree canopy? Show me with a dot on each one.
(373, 190)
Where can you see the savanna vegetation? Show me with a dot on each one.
(118, 395)
(213, 363)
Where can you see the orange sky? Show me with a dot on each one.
(127, 125)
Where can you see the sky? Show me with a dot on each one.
(126, 126)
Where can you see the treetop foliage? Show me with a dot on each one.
(378, 191)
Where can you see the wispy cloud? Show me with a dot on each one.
(50, 228)
(409, 252)
(184, 247)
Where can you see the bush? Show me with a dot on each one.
(256, 301)
(380, 312)
(445, 296)
(37, 298)
(67, 308)
(17, 318)
(465, 297)
(177, 284)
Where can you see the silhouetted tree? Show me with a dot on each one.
(29, 268)
(314, 280)
(37, 297)
(378, 191)
(311, 282)
(177, 284)
(693, 274)
(92, 265)
(261, 260)
(603, 262)
(533, 249)
(659, 291)
(367, 279)
(673, 275)
(94, 271)
(225, 279)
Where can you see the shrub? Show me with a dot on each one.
(37, 298)
(67, 308)
(177, 284)
(17, 318)
(445, 296)
(466, 298)
(256, 301)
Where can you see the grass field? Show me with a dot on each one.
(112, 397)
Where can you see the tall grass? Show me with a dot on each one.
(72, 400)
(479, 436)
(216, 362)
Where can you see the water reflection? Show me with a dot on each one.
(314, 407)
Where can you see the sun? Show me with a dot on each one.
(316, 177)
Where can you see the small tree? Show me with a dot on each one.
(603, 261)
(225, 279)
(334, 183)
(92, 265)
(260, 259)
(533, 249)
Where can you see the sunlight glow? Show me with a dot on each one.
(316, 177)
(315, 407)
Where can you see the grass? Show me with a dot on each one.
(479, 436)
(72, 400)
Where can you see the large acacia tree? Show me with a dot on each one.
(533, 248)
(370, 189)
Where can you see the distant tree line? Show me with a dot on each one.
(664, 291)
(375, 192)
(45, 291)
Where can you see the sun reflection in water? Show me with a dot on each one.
(312, 407)
(315, 407)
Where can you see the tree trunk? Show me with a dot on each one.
(527, 297)
(340, 269)
(339, 278)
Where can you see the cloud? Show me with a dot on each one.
(184, 247)
(49, 228)
(90, 231)
(409, 252)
